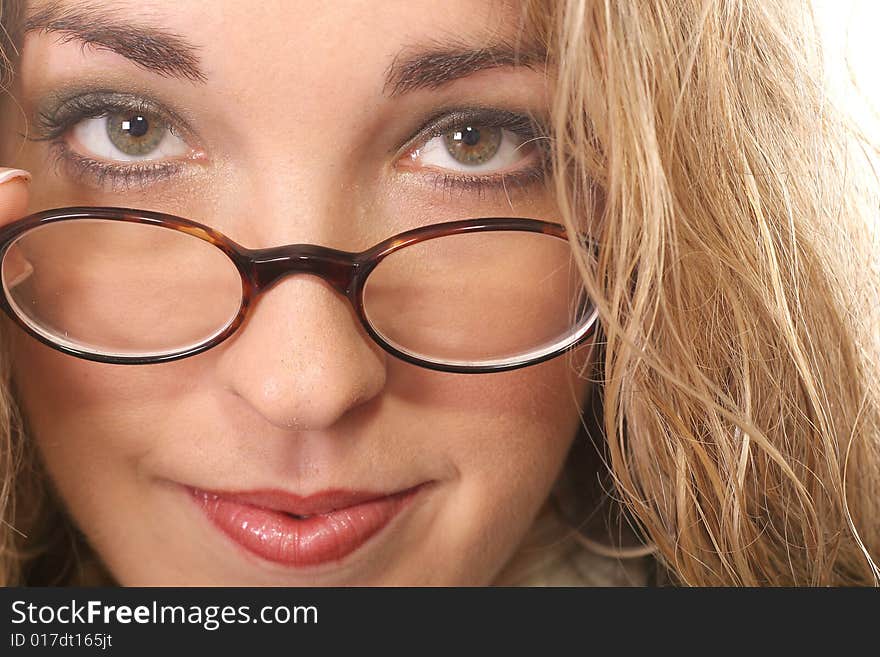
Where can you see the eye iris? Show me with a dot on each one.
(135, 134)
(472, 145)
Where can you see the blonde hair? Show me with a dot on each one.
(737, 285)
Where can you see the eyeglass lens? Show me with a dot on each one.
(123, 288)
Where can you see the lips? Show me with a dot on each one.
(301, 531)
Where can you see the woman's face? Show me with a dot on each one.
(285, 131)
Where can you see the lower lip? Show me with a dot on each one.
(301, 542)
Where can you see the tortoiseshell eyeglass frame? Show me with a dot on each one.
(259, 269)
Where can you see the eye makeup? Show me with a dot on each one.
(524, 126)
(58, 115)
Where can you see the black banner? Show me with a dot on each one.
(177, 621)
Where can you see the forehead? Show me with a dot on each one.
(286, 58)
(298, 87)
(285, 37)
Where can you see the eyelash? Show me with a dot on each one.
(525, 127)
(52, 126)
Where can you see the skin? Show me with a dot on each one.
(300, 399)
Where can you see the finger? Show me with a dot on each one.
(13, 194)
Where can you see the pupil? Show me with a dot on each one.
(136, 134)
(136, 126)
(470, 136)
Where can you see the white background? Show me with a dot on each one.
(852, 47)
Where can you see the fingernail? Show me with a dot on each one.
(11, 174)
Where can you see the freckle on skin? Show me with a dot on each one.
(493, 441)
(270, 389)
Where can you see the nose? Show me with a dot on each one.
(302, 360)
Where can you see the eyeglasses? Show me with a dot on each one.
(124, 286)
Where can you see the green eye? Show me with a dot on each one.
(135, 134)
(472, 145)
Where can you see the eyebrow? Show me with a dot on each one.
(428, 66)
(434, 65)
(153, 48)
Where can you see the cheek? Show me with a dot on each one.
(92, 422)
(508, 435)
(101, 429)
(508, 425)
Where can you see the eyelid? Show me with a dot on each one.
(57, 115)
(62, 111)
(442, 121)
(117, 177)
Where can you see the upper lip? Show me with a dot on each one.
(301, 505)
